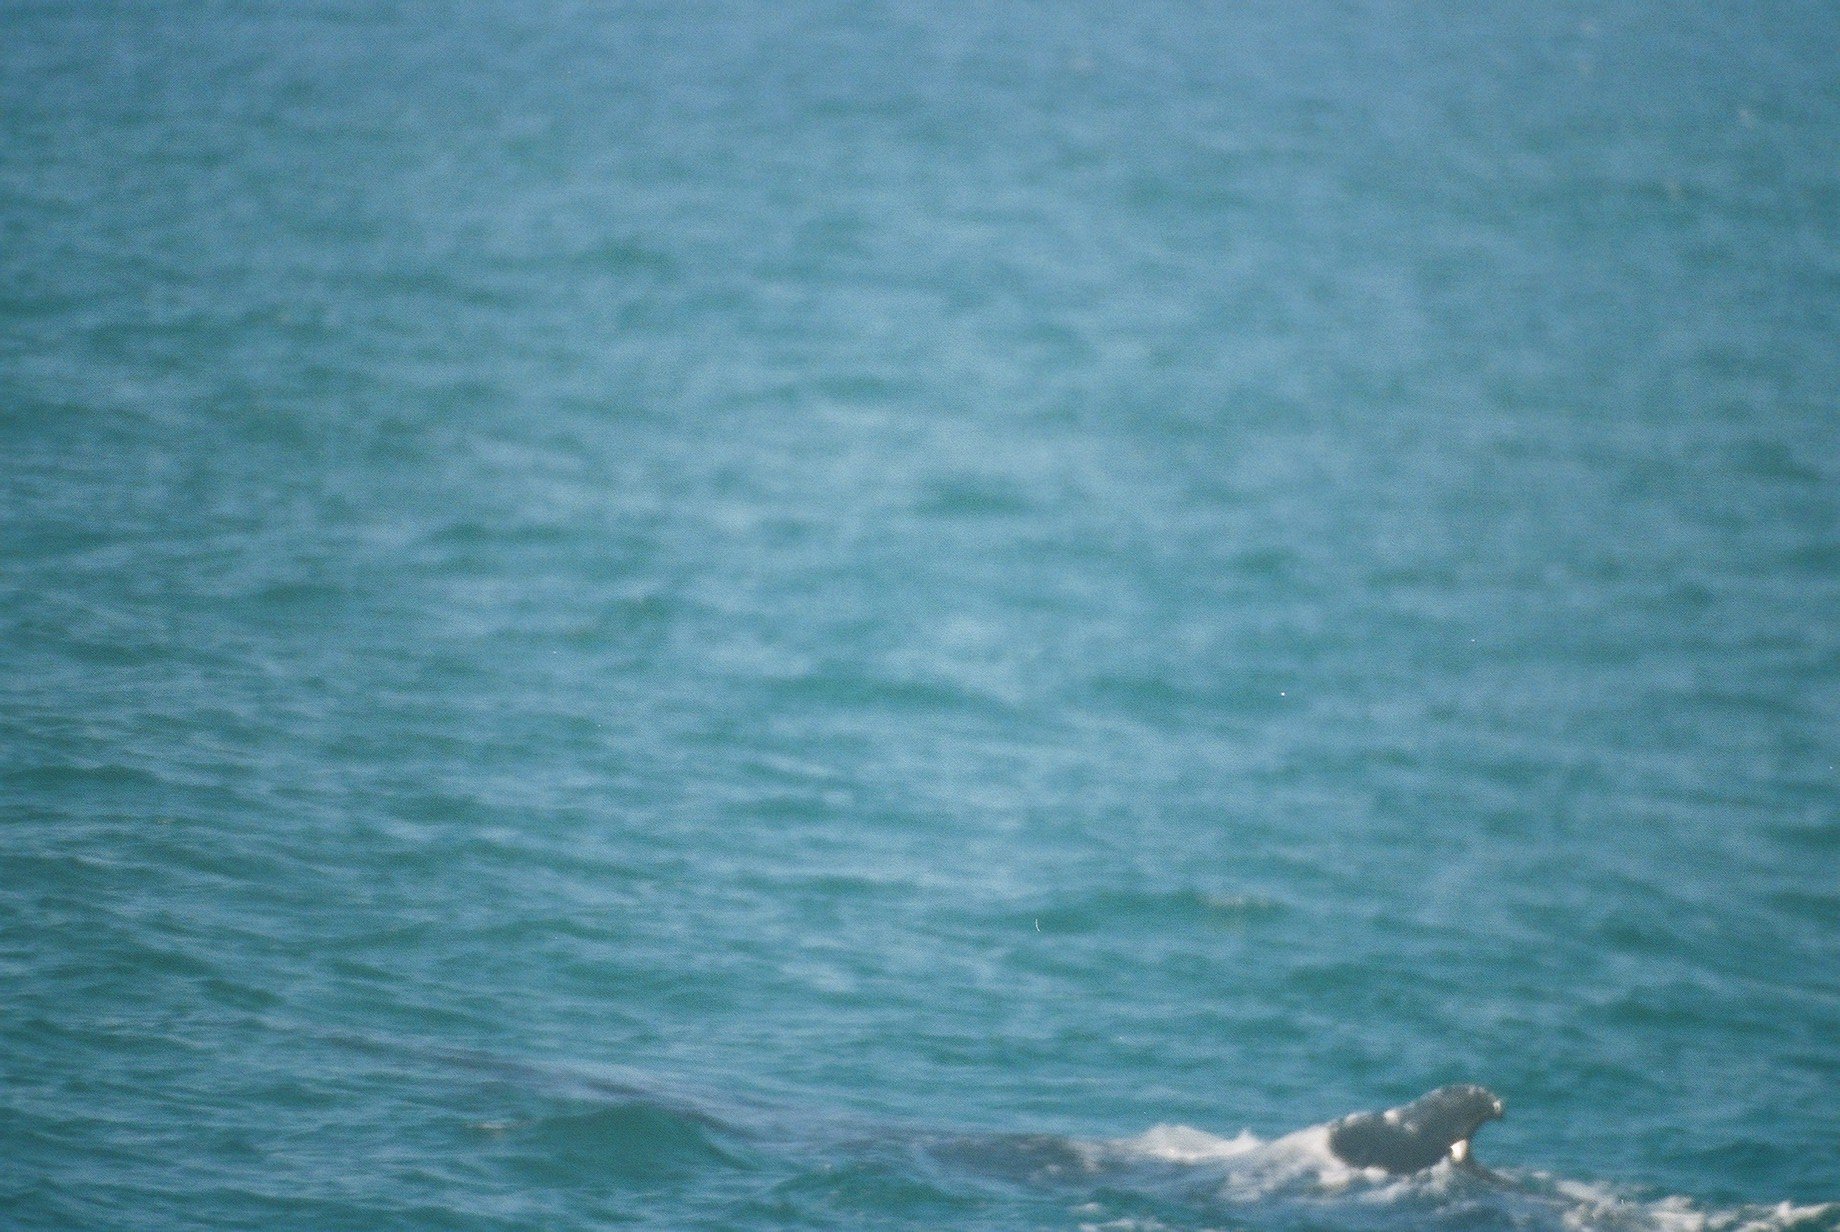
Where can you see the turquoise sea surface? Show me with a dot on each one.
(885, 615)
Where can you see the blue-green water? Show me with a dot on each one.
(898, 616)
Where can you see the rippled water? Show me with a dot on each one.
(891, 616)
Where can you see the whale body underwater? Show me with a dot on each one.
(1432, 1128)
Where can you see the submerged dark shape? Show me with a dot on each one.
(1430, 1129)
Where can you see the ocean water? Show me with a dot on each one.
(884, 615)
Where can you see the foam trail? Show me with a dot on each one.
(1298, 1170)
(1250, 1168)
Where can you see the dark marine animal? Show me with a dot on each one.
(1432, 1128)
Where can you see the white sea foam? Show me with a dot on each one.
(1300, 1167)
(1250, 1167)
(1141, 1224)
(1182, 1145)
(1589, 1207)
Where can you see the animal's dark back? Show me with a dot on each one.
(1370, 1141)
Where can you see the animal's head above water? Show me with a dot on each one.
(1457, 1111)
(1431, 1128)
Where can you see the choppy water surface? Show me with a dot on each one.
(897, 616)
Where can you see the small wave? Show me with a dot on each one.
(864, 1187)
(1154, 909)
(636, 1141)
